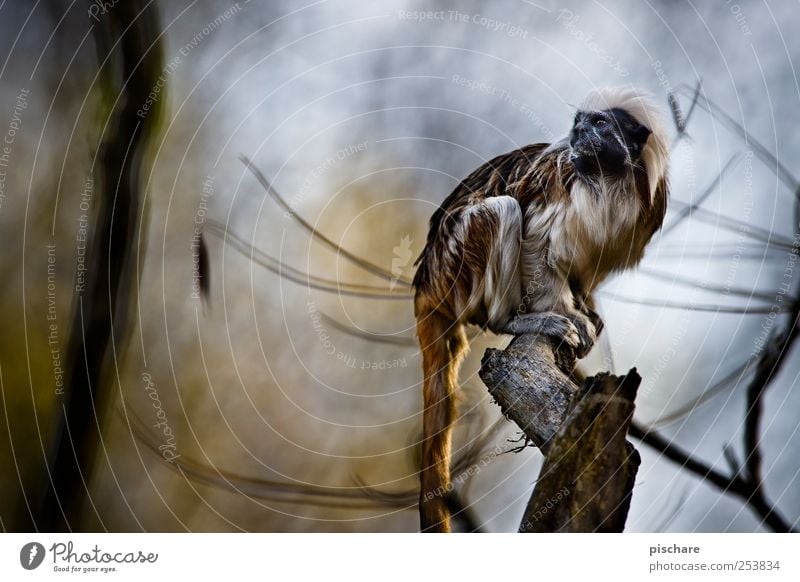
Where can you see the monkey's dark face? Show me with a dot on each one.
(606, 142)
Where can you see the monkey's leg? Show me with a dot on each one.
(497, 257)
(477, 270)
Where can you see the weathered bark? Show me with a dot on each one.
(589, 470)
(530, 382)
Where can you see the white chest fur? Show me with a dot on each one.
(589, 237)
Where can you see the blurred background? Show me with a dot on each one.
(260, 380)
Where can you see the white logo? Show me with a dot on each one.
(402, 257)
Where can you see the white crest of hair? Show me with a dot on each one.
(640, 105)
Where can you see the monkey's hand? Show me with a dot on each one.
(576, 330)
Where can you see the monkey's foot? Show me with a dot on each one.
(577, 331)
(587, 332)
(551, 324)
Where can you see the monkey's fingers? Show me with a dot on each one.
(587, 333)
(554, 325)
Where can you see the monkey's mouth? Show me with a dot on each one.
(591, 162)
(586, 161)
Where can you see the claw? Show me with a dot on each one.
(587, 333)
(571, 336)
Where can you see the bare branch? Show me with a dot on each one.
(728, 484)
(737, 226)
(687, 210)
(302, 278)
(753, 310)
(372, 336)
(766, 156)
(704, 286)
(318, 236)
(730, 381)
(719, 251)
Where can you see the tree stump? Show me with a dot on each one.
(589, 469)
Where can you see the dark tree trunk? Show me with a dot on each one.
(127, 35)
(589, 469)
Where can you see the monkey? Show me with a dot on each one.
(520, 245)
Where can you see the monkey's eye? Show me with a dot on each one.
(599, 122)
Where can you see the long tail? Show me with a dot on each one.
(443, 344)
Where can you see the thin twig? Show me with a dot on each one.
(686, 211)
(666, 304)
(294, 275)
(728, 484)
(709, 287)
(316, 235)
